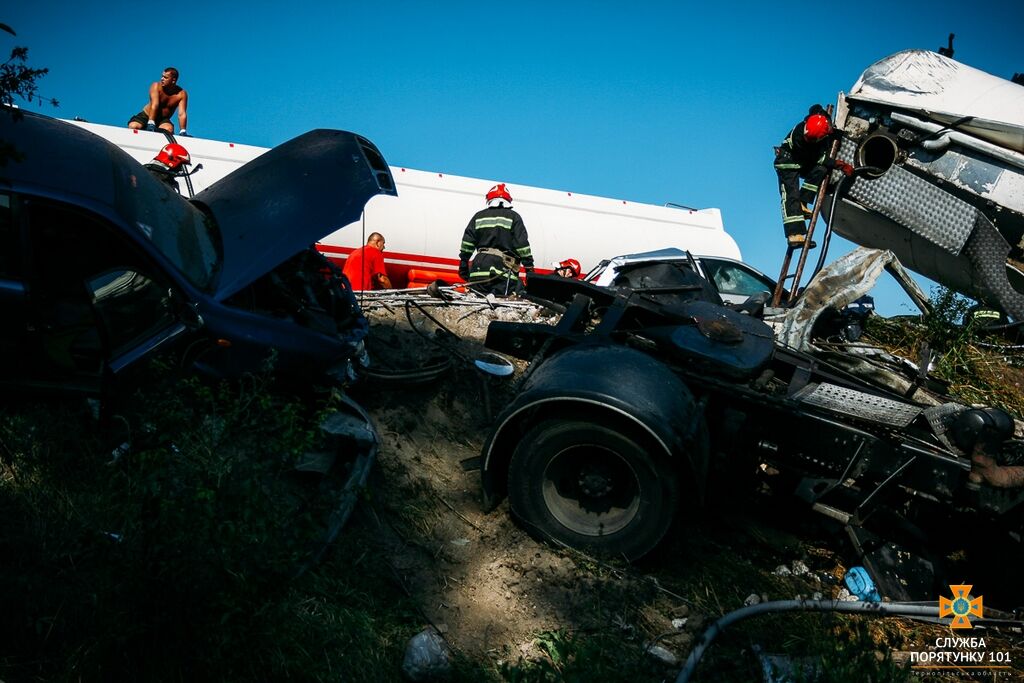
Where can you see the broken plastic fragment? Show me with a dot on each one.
(861, 585)
(349, 427)
(494, 365)
(663, 655)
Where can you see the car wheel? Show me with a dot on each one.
(592, 488)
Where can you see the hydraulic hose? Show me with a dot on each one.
(827, 238)
(420, 375)
(447, 347)
(869, 608)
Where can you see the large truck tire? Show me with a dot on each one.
(596, 489)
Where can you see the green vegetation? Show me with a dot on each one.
(18, 81)
(576, 657)
(172, 559)
(973, 364)
(818, 648)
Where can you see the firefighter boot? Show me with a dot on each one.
(798, 240)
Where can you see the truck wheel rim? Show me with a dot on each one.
(591, 490)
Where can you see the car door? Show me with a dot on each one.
(96, 302)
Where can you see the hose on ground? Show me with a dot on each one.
(868, 608)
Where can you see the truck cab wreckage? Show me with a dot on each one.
(646, 396)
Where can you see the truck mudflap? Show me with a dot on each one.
(609, 385)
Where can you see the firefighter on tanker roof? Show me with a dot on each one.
(168, 162)
(498, 238)
(804, 154)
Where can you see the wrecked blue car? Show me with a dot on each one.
(102, 265)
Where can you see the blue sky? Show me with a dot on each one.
(652, 102)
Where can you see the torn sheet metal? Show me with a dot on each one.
(839, 284)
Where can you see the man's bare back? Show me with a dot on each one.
(165, 96)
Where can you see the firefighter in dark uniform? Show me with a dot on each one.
(804, 154)
(498, 237)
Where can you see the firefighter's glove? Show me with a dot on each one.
(464, 270)
(151, 126)
(844, 168)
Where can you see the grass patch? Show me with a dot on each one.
(973, 364)
(823, 648)
(576, 656)
(172, 560)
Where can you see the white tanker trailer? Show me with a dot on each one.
(423, 225)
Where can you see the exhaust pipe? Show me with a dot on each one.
(878, 152)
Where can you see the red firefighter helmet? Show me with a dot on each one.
(572, 265)
(816, 127)
(173, 155)
(499, 192)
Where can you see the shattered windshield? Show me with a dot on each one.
(186, 236)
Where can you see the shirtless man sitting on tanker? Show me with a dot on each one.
(164, 96)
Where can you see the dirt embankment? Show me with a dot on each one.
(486, 584)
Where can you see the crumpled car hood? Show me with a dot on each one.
(285, 200)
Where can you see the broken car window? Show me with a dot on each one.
(89, 285)
(732, 279)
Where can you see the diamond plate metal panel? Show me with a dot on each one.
(919, 205)
(940, 419)
(855, 403)
(987, 252)
(847, 150)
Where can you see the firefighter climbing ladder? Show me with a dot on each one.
(784, 274)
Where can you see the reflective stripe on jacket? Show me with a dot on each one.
(497, 228)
